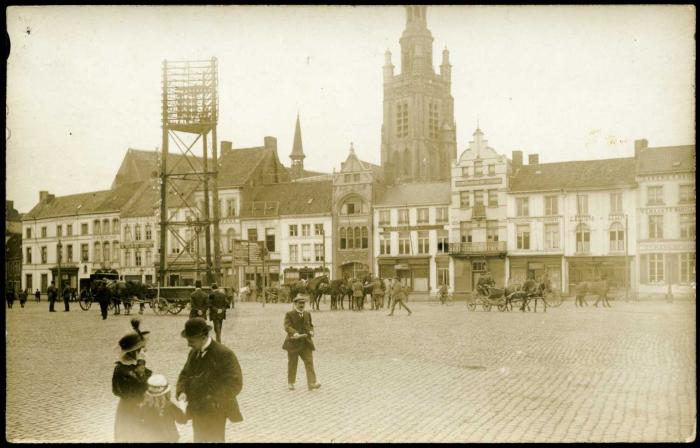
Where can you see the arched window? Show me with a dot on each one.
(365, 238)
(127, 232)
(115, 251)
(97, 252)
(343, 238)
(137, 232)
(115, 225)
(617, 237)
(148, 232)
(230, 239)
(96, 227)
(358, 238)
(105, 226)
(583, 239)
(105, 251)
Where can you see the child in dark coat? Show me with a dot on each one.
(159, 414)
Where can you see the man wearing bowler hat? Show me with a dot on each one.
(298, 343)
(209, 383)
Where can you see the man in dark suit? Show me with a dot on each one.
(209, 383)
(53, 294)
(218, 302)
(66, 298)
(298, 343)
(199, 302)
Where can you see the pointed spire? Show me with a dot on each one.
(352, 149)
(297, 148)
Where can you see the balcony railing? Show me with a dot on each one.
(477, 248)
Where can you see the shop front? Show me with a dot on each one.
(468, 270)
(585, 269)
(535, 267)
(69, 276)
(412, 272)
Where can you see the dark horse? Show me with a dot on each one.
(338, 290)
(317, 287)
(530, 291)
(122, 291)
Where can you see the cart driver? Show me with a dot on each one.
(486, 282)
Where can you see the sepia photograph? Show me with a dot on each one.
(350, 224)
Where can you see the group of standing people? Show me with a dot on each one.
(379, 290)
(53, 294)
(209, 383)
(214, 305)
(11, 295)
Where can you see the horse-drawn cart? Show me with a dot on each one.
(496, 297)
(174, 299)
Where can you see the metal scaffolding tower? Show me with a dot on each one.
(190, 109)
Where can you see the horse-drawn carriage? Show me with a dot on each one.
(174, 299)
(120, 292)
(530, 292)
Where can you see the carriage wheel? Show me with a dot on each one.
(553, 299)
(159, 306)
(486, 306)
(471, 306)
(502, 307)
(85, 302)
(176, 307)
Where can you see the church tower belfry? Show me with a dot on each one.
(297, 155)
(418, 130)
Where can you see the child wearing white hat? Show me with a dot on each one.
(158, 413)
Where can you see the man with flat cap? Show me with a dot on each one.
(209, 382)
(298, 343)
(199, 301)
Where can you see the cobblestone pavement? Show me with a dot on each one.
(443, 374)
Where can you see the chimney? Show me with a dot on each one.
(517, 159)
(226, 147)
(533, 159)
(639, 146)
(43, 196)
(271, 143)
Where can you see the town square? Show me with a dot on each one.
(350, 224)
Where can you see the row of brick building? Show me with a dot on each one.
(428, 214)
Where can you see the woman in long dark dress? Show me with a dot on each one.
(129, 383)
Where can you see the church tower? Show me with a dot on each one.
(297, 155)
(418, 132)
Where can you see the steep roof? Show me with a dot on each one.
(237, 165)
(666, 159)
(292, 198)
(418, 193)
(297, 148)
(85, 203)
(143, 202)
(583, 174)
(139, 165)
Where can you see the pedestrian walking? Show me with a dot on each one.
(387, 288)
(37, 295)
(298, 343)
(53, 295)
(581, 295)
(443, 293)
(377, 293)
(199, 301)
(158, 414)
(209, 382)
(399, 295)
(218, 302)
(129, 383)
(66, 298)
(10, 297)
(23, 297)
(103, 297)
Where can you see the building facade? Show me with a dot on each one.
(412, 238)
(13, 247)
(478, 215)
(665, 219)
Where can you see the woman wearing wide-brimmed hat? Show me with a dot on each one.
(129, 383)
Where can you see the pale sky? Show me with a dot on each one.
(569, 83)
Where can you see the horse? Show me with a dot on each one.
(598, 288)
(122, 291)
(530, 290)
(338, 289)
(317, 287)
